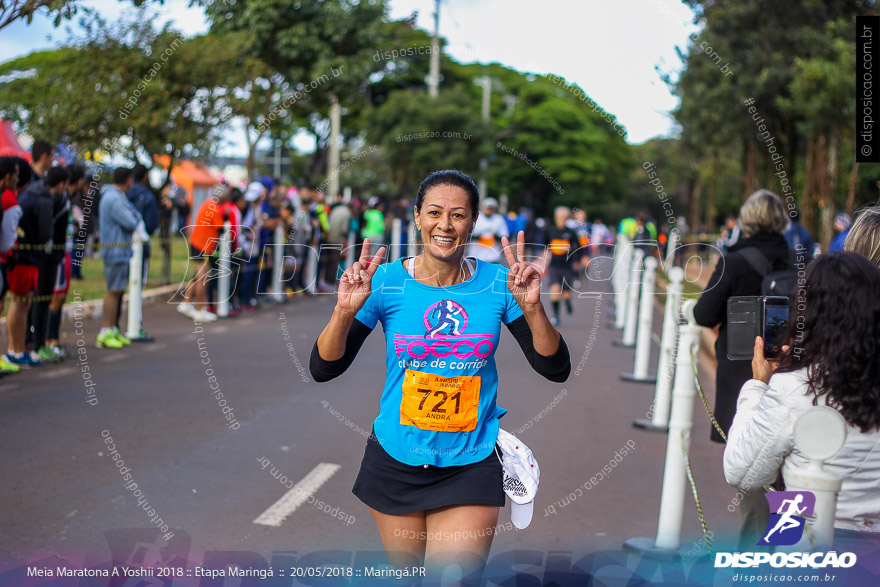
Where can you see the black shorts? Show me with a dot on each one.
(391, 487)
(558, 274)
(5, 286)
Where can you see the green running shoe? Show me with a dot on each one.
(109, 341)
(119, 336)
(47, 355)
(7, 366)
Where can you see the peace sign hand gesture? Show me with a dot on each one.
(523, 279)
(355, 284)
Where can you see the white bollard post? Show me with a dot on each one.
(659, 421)
(311, 270)
(818, 434)
(411, 249)
(396, 233)
(680, 424)
(278, 263)
(135, 286)
(351, 251)
(671, 246)
(668, 541)
(224, 264)
(631, 312)
(621, 266)
(645, 326)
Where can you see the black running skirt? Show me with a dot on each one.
(391, 487)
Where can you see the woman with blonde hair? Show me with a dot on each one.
(864, 236)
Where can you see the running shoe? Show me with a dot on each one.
(7, 366)
(59, 350)
(120, 337)
(186, 309)
(47, 355)
(26, 360)
(142, 337)
(109, 341)
(204, 316)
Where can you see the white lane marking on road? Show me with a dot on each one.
(150, 348)
(112, 358)
(56, 373)
(297, 495)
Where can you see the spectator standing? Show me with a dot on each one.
(203, 241)
(374, 224)
(339, 221)
(143, 199)
(729, 234)
(798, 237)
(601, 235)
(842, 224)
(42, 154)
(488, 230)
(833, 345)
(75, 181)
(36, 232)
(232, 211)
(763, 221)
(55, 185)
(864, 235)
(270, 219)
(119, 219)
(9, 217)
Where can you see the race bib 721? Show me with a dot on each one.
(435, 402)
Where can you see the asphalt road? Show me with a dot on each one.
(203, 474)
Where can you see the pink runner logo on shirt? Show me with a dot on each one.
(445, 322)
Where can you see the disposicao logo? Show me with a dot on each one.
(786, 526)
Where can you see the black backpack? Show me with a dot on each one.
(775, 283)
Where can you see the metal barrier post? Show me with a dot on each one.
(645, 325)
(632, 300)
(659, 421)
(135, 286)
(668, 541)
(225, 266)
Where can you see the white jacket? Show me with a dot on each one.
(761, 439)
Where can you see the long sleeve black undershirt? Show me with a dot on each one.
(556, 367)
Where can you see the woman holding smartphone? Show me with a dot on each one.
(430, 475)
(831, 357)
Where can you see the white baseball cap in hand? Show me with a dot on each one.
(521, 476)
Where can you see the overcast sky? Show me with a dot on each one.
(608, 47)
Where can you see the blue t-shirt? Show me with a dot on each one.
(438, 406)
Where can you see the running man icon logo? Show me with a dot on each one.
(786, 526)
(445, 317)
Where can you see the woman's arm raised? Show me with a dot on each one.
(354, 289)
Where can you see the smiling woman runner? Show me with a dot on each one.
(430, 475)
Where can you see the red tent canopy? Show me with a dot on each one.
(9, 146)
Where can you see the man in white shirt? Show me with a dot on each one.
(488, 230)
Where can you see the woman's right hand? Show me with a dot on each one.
(355, 283)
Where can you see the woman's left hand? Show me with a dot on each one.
(523, 279)
(762, 369)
